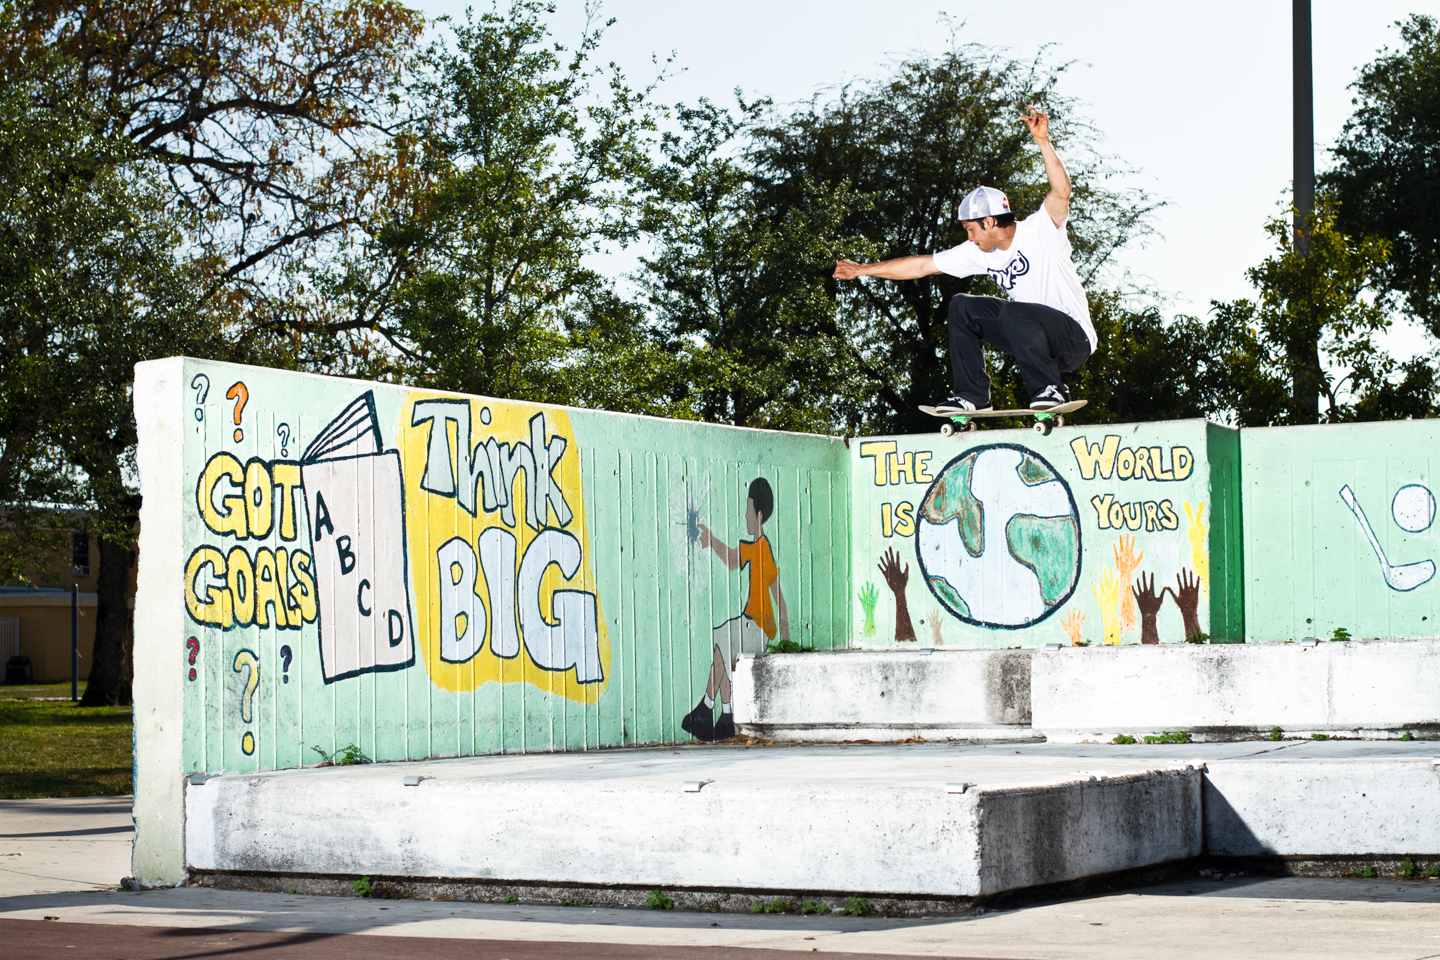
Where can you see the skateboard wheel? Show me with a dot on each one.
(947, 430)
(1059, 420)
(972, 427)
(1042, 428)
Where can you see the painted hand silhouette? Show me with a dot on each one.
(1126, 562)
(896, 579)
(1149, 602)
(1188, 597)
(1107, 598)
(1074, 624)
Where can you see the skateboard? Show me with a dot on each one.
(1045, 420)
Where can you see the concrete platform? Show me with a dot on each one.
(836, 820)
(885, 695)
(1363, 688)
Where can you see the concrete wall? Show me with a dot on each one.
(885, 695)
(1339, 530)
(1004, 537)
(1360, 688)
(1316, 808)
(328, 562)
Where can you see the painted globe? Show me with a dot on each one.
(998, 537)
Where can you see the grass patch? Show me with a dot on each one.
(53, 748)
(1123, 738)
(656, 900)
(1166, 736)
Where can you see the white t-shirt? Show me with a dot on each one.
(1036, 269)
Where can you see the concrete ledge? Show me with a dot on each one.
(1322, 808)
(885, 695)
(1375, 689)
(830, 821)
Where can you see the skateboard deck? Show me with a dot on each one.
(1045, 420)
(1070, 407)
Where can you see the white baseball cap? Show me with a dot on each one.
(984, 202)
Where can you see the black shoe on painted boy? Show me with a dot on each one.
(1051, 396)
(725, 727)
(700, 723)
(958, 404)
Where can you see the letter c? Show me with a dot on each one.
(360, 598)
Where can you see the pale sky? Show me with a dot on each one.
(1195, 96)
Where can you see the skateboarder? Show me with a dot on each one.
(1045, 325)
(748, 632)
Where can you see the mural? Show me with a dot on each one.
(764, 615)
(1323, 554)
(421, 574)
(1007, 532)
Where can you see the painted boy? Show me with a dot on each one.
(757, 624)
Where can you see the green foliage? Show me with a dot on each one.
(1165, 736)
(1385, 167)
(362, 887)
(476, 285)
(1198, 637)
(1433, 872)
(811, 907)
(778, 905)
(573, 902)
(1368, 872)
(1340, 634)
(1319, 736)
(656, 900)
(1123, 738)
(511, 898)
(1407, 735)
(342, 758)
(1274, 357)
(856, 907)
(787, 646)
(1276, 733)
(1408, 869)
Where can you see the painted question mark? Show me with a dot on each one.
(193, 645)
(241, 395)
(246, 662)
(286, 654)
(284, 431)
(201, 385)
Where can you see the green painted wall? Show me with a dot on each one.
(429, 575)
(1339, 530)
(1005, 538)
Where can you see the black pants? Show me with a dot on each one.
(1045, 342)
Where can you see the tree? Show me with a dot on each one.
(475, 285)
(1276, 357)
(1387, 165)
(272, 121)
(91, 281)
(875, 172)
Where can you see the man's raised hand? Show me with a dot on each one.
(846, 270)
(1039, 123)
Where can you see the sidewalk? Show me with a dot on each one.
(63, 858)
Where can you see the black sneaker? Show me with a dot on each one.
(1051, 396)
(700, 723)
(725, 727)
(958, 404)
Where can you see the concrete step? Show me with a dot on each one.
(885, 695)
(924, 820)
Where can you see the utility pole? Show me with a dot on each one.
(74, 642)
(1304, 125)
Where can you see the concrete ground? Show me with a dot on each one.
(62, 859)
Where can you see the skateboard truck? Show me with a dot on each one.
(1045, 421)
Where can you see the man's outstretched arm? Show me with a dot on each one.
(1057, 201)
(903, 268)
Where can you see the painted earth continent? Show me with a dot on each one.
(998, 538)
